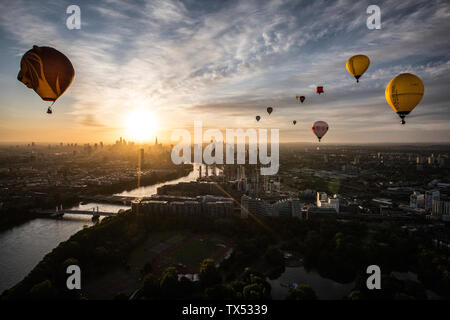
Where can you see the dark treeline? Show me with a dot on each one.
(337, 250)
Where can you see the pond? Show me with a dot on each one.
(325, 289)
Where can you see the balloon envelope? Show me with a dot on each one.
(47, 71)
(257, 118)
(403, 93)
(319, 89)
(357, 65)
(319, 128)
(294, 122)
(269, 110)
(302, 98)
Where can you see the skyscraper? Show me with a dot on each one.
(416, 200)
(430, 196)
(141, 157)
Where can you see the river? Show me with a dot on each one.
(22, 247)
(325, 289)
(150, 190)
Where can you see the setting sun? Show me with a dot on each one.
(141, 125)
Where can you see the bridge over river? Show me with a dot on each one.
(61, 212)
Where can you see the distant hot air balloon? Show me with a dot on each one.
(357, 65)
(319, 90)
(320, 128)
(47, 71)
(269, 110)
(294, 122)
(258, 118)
(302, 98)
(403, 93)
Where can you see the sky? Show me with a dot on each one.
(223, 63)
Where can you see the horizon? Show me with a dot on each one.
(163, 143)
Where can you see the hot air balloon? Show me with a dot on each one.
(319, 128)
(319, 89)
(269, 110)
(294, 122)
(47, 71)
(258, 118)
(302, 98)
(357, 65)
(403, 93)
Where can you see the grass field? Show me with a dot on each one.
(182, 250)
(155, 244)
(194, 252)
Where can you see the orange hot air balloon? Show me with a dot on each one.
(47, 71)
(319, 128)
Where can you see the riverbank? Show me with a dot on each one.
(15, 218)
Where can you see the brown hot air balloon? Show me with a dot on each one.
(47, 71)
(300, 98)
(319, 128)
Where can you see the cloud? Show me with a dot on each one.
(91, 121)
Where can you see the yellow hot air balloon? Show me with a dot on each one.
(403, 93)
(357, 65)
(47, 71)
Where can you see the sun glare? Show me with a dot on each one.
(141, 125)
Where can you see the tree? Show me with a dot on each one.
(69, 262)
(169, 283)
(186, 287)
(237, 287)
(147, 268)
(43, 290)
(219, 292)
(302, 292)
(121, 296)
(254, 291)
(151, 287)
(101, 254)
(274, 256)
(209, 275)
(355, 295)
